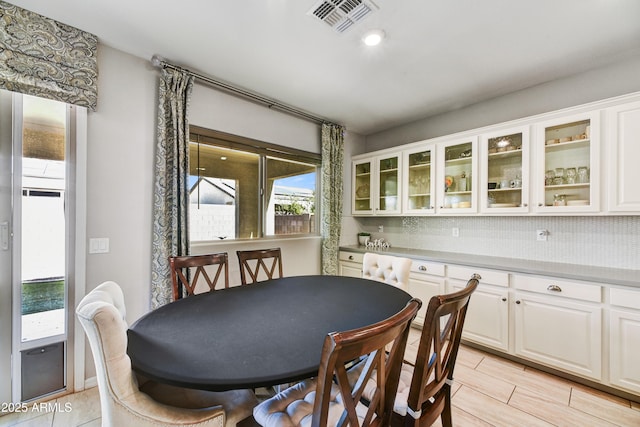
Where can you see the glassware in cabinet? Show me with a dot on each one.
(567, 161)
(419, 197)
(456, 176)
(362, 185)
(388, 181)
(505, 171)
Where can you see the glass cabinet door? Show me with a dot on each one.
(568, 165)
(362, 183)
(456, 177)
(388, 180)
(418, 183)
(505, 177)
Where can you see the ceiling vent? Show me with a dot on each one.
(342, 14)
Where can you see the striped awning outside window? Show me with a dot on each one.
(42, 57)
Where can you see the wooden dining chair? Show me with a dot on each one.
(333, 398)
(424, 390)
(259, 270)
(181, 272)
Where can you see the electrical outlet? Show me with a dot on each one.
(381, 229)
(455, 232)
(542, 235)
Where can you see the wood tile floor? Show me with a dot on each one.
(488, 391)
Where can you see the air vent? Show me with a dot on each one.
(342, 14)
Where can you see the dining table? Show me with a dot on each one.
(259, 335)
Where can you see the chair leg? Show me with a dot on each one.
(446, 411)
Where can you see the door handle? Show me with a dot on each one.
(4, 235)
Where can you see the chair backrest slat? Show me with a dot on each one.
(181, 271)
(259, 256)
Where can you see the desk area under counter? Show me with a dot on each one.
(581, 322)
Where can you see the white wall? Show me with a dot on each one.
(604, 82)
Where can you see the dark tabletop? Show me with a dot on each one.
(256, 335)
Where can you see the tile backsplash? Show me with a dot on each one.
(612, 241)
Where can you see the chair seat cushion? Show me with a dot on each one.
(294, 407)
(402, 395)
(237, 404)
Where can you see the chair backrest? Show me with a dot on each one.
(386, 268)
(185, 280)
(261, 264)
(102, 315)
(340, 349)
(437, 352)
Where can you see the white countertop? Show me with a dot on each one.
(611, 276)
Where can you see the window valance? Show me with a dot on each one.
(40, 56)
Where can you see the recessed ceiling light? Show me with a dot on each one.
(373, 37)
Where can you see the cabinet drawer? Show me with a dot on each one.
(558, 287)
(426, 267)
(351, 257)
(489, 277)
(625, 298)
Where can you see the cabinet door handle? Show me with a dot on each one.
(525, 205)
(554, 288)
(422, 268)
(517, 301)
(540, 204)
(350, 257)
(504, 298)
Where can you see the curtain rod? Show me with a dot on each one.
(159, 62)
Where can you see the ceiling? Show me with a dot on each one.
(438, 55)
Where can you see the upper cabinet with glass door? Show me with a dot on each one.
(456, 176)
(362, 180)
(567, 164)
(377, 188)
(389, 176)
(419, 182)
(504, 181)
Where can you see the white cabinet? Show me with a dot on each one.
(419, 181)
(456, 176)
(567, 165)
(624, 152)
(624, 339)
(425, 281)
(377, 185)
(350, 264)
(487, 319)
(559, 323)
(504, 171)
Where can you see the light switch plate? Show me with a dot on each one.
(99, 245)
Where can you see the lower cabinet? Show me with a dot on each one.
(350, 264)
(624, 339)
(559, 324)
(487, 320)
(425, 281)
(586, 329)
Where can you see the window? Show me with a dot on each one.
(240, 188)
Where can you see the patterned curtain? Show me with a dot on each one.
(332, 182)
(45, 58)
(171, 197)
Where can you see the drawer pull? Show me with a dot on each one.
(422, 268)
(350, 257)
(554, 288)
(504, 298)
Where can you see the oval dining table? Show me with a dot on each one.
(257, 335)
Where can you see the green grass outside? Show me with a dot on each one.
(42, 296)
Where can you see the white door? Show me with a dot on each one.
(36, 244)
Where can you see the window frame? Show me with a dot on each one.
(265, 150)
